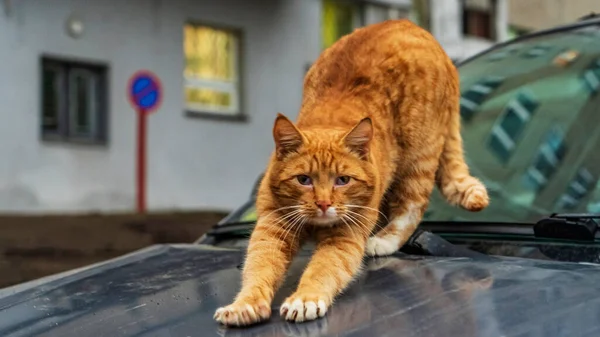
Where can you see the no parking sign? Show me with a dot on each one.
(145, 94)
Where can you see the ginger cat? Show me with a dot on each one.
(379, 122)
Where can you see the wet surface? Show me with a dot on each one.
(174, 291)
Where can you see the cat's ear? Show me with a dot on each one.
(359, 138)
(287, 137)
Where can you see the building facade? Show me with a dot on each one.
(463, 27)
(531, 15)
(227, 67)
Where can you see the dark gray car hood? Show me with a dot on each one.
(173, 290)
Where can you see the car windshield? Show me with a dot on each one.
(530, 112)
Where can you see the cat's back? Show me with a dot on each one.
(385, 38)
(377, 53)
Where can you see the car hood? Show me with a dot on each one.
(173, 290)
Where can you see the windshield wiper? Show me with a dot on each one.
(423, 242)
(231, 227)
(578, 227)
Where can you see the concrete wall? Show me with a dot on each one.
(193, 162)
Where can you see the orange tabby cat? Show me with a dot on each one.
(379, 122)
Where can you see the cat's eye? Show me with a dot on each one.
(343, 180)
(304, 180)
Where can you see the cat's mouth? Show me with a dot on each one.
(327, 218)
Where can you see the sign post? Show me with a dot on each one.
(145, 94)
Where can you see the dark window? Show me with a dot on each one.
(475, 96)
(511, 124)
(74, 106)
(546, 162)
(477, 23)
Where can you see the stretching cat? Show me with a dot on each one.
(379, 122)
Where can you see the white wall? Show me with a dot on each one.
(446, 26)
(193, 162)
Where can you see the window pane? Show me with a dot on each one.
(512, 124)
(211, 74)
(477, 23)
(82, 103)
(209, 53)
(476, 95)
(337, 20)
(51, 99)
(207, 98)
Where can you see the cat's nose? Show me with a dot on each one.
(323, 205)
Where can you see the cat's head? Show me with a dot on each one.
(323, 176)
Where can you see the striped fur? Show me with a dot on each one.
(379, 122)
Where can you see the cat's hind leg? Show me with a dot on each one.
(407, 199)
(455, 182)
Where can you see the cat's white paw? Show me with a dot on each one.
(243, 313)
(382, 246)
(303, 308)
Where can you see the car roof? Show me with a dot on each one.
(173, 290)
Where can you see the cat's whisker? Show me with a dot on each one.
(286, 222)
(362, 216)
(294, 225)
(376, 223)
(367, 228)
(358, 225)
(281, 209)
(301, 226)
(346, 223)
(369, 208)
(283, 225)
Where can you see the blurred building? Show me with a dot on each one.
(463, 27)
(227, 67)
(531, 15)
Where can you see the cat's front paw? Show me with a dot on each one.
(382, 246)
(242, 313)
(301, 307)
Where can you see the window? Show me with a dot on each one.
(477, 23)
(211, 74)
(578, 188)
(479, 18)
(73, 99)
(546, 161)
(475, 96)
(339, 18)
(511, 124)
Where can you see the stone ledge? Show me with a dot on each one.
(35, 246)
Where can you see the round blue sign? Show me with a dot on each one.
(145, 91)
